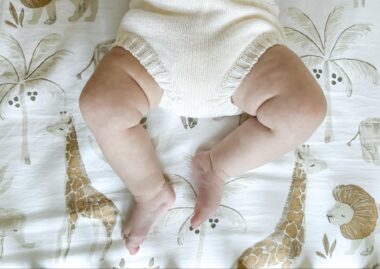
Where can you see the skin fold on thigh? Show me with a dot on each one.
(137, 71)
(278, 71)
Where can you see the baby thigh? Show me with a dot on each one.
(282, 94)
(115, 99)
(119, 93)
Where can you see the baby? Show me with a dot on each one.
(198, 58)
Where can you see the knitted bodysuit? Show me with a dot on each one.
(199, 51)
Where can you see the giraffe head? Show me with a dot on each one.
(63, 127)
(307, 160)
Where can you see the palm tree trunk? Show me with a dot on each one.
(329, 129)
(200, 245)
(24, 148)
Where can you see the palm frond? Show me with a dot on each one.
(46, 46)
(312, 61)
(347, 37)
(236, 185)
(332, 23)
(231, 215)
(3, 98)
(301, 19)
(13, 12)
(343, 73)
(44, 84)
(358, 68)
(183, 229)
(14, 52)
(182, 186)
(302, 41)
(7, 70)
(172, 218)
(47, 65)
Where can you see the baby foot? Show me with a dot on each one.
(209, 188)
(144, 213)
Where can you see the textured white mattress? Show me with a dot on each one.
(41, 63)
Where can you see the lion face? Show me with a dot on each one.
(340, 214)
(355, 211)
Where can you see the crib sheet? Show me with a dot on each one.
(314, 207)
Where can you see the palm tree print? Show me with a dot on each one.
(323, 56)
(223, 215)
(21, 80)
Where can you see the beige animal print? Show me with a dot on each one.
(356, 213)
(100, 50)
(82, 199)
(12, 222)
(285, 244)
(81, 7)
(369, 131)
(38, 6)
(356, 3)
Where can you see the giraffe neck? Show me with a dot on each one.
(74, 163)
(295, 202)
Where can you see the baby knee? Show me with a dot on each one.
(100, 114)
(310, 113)
(315, 108)
(88, 104)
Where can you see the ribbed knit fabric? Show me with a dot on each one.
(199, 51)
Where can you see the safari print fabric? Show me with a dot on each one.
(61, 205)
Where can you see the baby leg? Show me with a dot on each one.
(286, 105)
(115, 99)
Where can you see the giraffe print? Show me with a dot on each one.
(284, 245)
(82, 199)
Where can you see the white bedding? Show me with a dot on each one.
(33, 168)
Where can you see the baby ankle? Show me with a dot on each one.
(149, 195)
(222, 175)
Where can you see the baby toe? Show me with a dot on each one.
(133, 251)
(133, 242)
(200, 215)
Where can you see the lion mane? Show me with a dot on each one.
(363, 222)
(35, 3)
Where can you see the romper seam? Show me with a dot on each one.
(245, 62)
(232, 79)
(148, 58)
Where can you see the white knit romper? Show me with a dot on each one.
(199, 51)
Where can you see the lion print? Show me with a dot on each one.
(356, 213)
